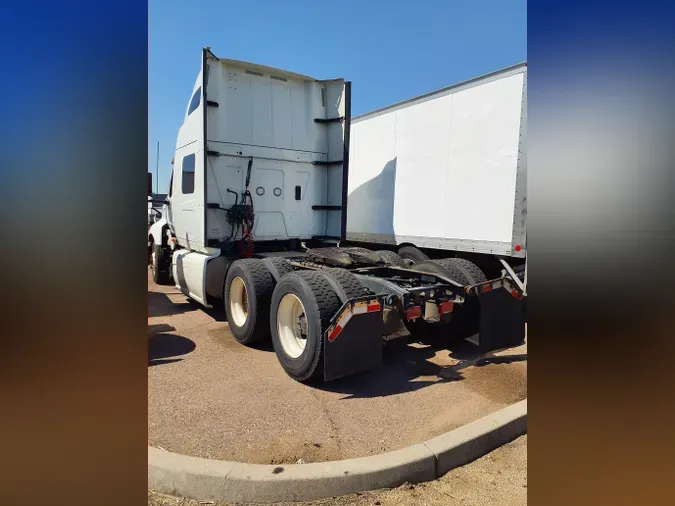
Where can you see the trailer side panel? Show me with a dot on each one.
(442, 171)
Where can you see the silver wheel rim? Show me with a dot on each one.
(238, 302)
(154, 260)
(292, 325)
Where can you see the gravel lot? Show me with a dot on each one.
(212, 397)
(497, 479)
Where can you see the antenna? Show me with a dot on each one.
(157, 171)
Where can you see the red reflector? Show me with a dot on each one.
(445, 307)
(375, 306)
(413, 312)
(333, 335)
(517, 248)
(515, 294)
(487, 288)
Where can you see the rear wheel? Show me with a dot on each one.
(278, 266)
(439, 267)
(344, 283)
(248, 290)
(470, 271)
(303, 303)
(292, 325)
(412, 253)
(392, 258)
(466, 321)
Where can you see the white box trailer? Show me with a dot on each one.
(257, 202)
(446, 170)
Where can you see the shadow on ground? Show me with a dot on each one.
(159, 304)
(404, 365)
(468, 355)
(163, 347)
(217, 312)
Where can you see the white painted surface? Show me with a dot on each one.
(270, 117)
(332, 195)
(267, 114)
(189, 273)
(441, 171)
(188, 209)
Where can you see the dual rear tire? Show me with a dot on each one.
(294, 308)
(248, 291)
(303, 304)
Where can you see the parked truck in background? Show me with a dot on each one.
(256, 219)
(445, 174)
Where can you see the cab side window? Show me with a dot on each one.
(188, 183)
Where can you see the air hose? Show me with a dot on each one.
(241, 215)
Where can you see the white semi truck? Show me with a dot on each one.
(256, 219)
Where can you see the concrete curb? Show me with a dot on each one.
(219, 480)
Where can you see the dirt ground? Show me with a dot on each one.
(212, 397)
(497, 479)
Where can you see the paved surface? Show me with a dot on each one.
(497, 479)
(212, 397)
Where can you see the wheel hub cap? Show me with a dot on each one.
(292, 325)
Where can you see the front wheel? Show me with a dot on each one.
(159, 265)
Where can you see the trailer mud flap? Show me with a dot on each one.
(353, 341)
(502, 320)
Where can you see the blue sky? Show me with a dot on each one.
(391, 51)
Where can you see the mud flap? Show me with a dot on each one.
(353, 341)
(502, 321)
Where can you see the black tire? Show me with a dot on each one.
(446, 269)
(470, 271)
(278, 266)
(451, 268)
(344, 283)
(259, 284)
(329, 256)
(466, 320)
(412, 253)
(321, 303)
(160, 265)
(392, 258)
(363, 255)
